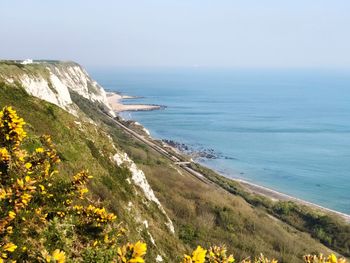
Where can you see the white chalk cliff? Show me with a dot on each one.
(53, 82)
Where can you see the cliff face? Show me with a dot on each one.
(53, 81)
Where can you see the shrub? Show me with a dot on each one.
(43, 217)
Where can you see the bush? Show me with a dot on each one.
(45, 218)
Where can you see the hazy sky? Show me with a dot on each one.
(209, 33)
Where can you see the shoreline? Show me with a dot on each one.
(249, 186)
(279, 196)
(114, 99)
(275, 195)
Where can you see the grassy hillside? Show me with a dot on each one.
(84, 146)
(333, 231)
(203, 214)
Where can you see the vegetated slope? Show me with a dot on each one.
(330, 229)
(202, 214)
(85, 146)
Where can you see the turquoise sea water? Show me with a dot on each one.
(286, 130)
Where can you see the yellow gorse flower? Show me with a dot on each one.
(82, 192)
(132, 253)
(218, 254)
(81, 178)
(28, 166)
(4, 155)
(39, 150)
(140, 249)
(332, 258)
(10, 247)
(322, 259)
(3, 194)
(79, 184)
(95, 214)
(11, 127)
(198, 256)
(12, 214)
(263, 259)
(57, 256)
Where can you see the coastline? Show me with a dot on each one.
(278, 196)
(249, 186)
(114, 99)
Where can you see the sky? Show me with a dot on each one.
(179, 33)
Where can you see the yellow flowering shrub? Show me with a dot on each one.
(132, 253)
(11, 128)
(260, 259)
(198, 256)
(57, 256)
(94, 214)
(217, 254)
(35, 203)
(323, 259)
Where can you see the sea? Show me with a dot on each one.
(287, 130)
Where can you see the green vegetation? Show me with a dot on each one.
(10, 69)
(330, 230)
(39, 206)
(14, 70)
(203, 214)
(73, 144)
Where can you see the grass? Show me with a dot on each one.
(203, 214)
(16, 71)
(330, 230)
(178, 194)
